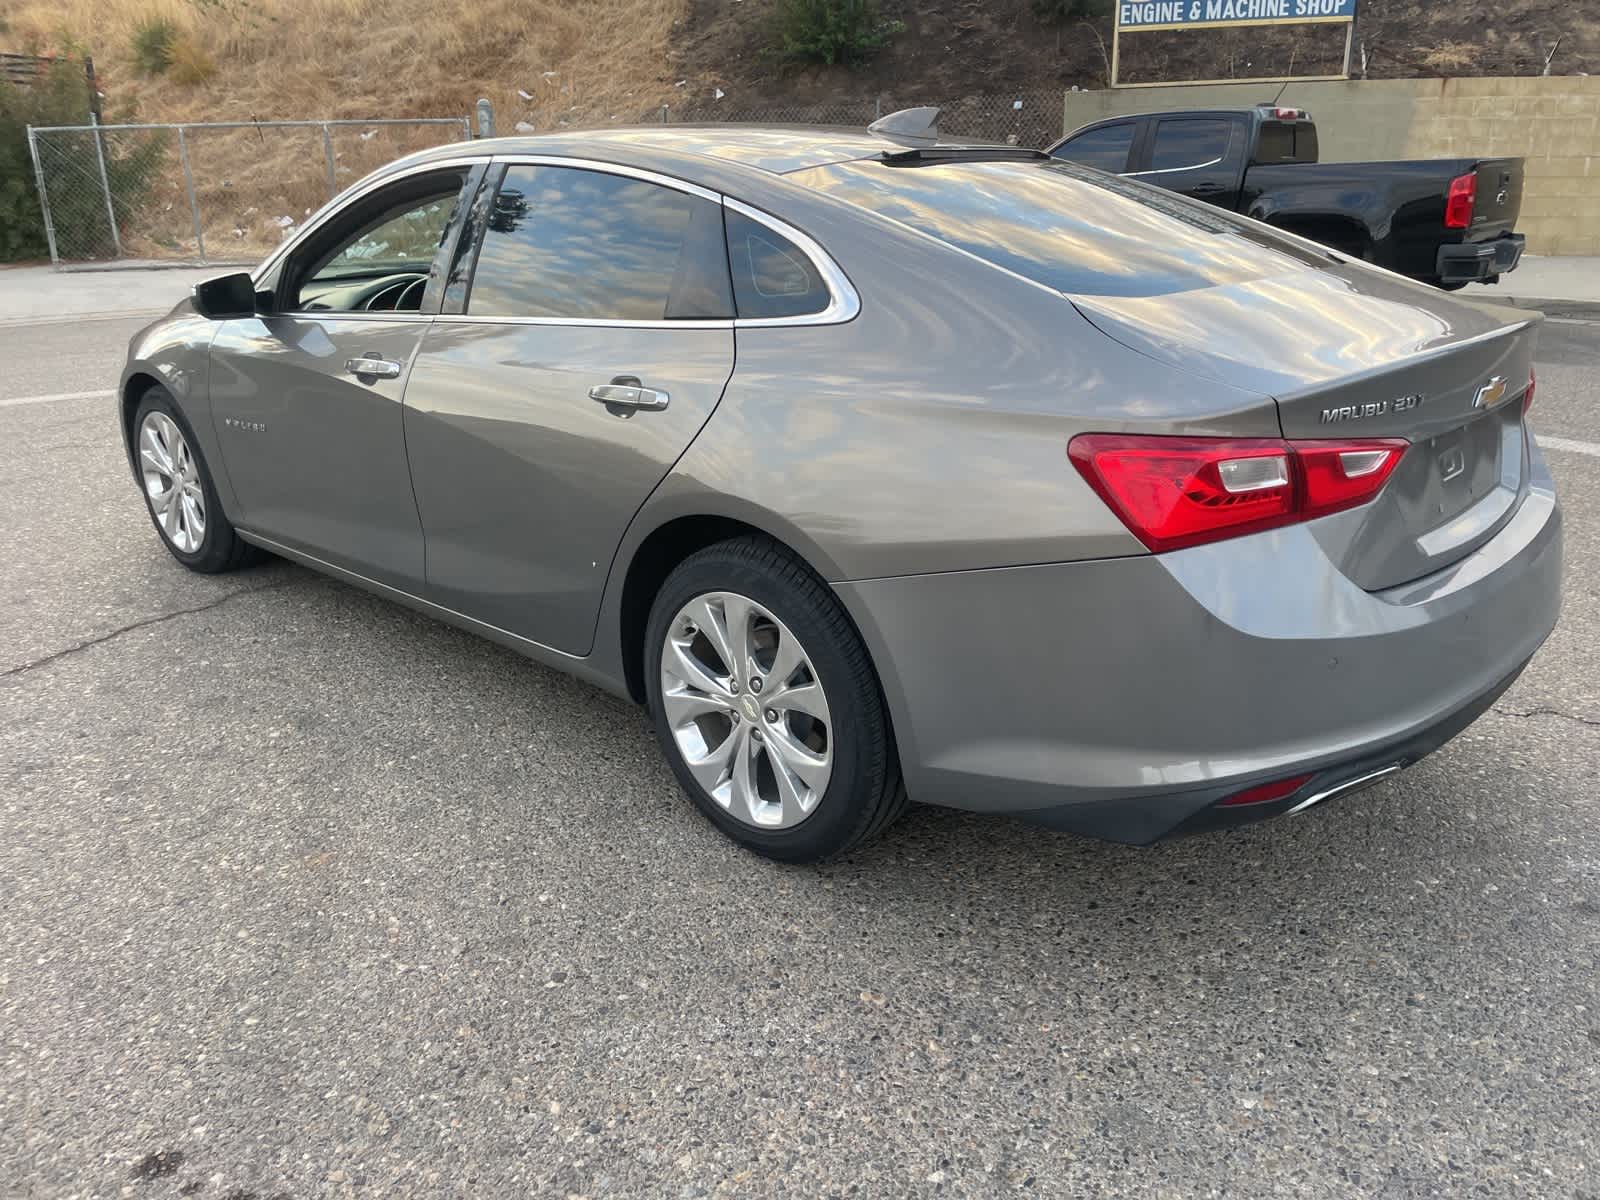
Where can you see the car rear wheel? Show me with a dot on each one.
(178, 490)
(767, 706)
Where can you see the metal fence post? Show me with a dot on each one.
(327, 153)
(194, 203)
(94, 86)
(44, 197)
(105, 182)
(485, 118)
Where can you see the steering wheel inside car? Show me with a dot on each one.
(396, 293)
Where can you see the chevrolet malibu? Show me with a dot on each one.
(883, 469)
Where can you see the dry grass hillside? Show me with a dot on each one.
(540, 61)
(367, 58)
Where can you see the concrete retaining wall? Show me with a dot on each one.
(1554, 123)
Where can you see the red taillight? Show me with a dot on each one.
(1459, 200)
(1173, 492)
(1527, 396)
(1340, 475)
(1263, 792)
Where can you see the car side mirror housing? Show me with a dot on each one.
(225, 297)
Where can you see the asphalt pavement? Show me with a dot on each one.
(305, 895)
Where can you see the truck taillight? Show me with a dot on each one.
(1527, 396)
(1173, 492)
(1459, 201)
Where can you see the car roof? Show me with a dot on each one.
(775, 149)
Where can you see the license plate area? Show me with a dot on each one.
(1465, 465)
(1447, 497)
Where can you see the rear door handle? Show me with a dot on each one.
(1206, 189)
(625, 391)
(370, 366)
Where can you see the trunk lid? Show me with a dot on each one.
(1499, 199)
(1350, 353)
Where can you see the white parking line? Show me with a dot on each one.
(1592, 449)
(16, 401)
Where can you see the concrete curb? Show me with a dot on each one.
(1572, 310)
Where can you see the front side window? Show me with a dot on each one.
(1189, 142)
(1105, 149)
(577, 244)
(382, 262)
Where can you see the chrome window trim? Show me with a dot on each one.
(1210, 162)
(843, 304)
(343, 200)
(586, 322)
(594, 164)
(330, 314)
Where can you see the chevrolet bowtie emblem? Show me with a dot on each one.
(1490, 393)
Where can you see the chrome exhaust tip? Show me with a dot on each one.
(1345, 788)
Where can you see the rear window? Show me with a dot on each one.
(1071, 229)
(1286, 142)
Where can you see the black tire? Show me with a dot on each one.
(863, 795)
(221, 548)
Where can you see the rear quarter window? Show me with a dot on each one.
(1073, 230)
(772, 277)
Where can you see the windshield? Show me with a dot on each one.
(1073, 229)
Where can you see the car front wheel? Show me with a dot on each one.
(179, 492)
(767, 706)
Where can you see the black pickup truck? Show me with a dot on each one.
(1446, 221)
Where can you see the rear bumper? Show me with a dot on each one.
(1122, 698)
(1466, 262)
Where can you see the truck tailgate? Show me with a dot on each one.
(1499, 198)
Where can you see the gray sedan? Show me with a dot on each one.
(883, 469)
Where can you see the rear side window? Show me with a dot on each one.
(1189, 142)
(772, 277)
(1070, 229)
(1105, 149)
(565, 242)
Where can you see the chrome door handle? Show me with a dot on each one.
(370, 366)
(627, 392)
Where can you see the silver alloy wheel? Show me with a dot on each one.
(746, 710)
(172, 482)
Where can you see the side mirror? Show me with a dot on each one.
(225, 297)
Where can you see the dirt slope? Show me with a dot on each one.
(546, 62)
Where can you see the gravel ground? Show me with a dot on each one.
(305, 895)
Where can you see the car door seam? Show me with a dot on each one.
(616, 551)
(405, 446)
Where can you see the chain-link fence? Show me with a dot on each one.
(201, 193)
(1021, 119)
